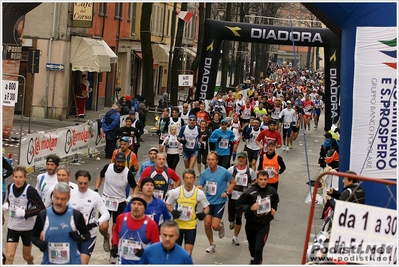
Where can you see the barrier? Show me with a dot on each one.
(65, 142)
(374, 225)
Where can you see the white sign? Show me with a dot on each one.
(363, 234)
(374, 138)
(10, 92)
(185, 80)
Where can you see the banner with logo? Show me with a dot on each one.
(64, 142)
(374, 122)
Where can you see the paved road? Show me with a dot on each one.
(287, 234)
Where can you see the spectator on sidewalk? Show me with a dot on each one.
(82, 94)
(111, 125)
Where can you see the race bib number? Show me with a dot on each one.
(158, 194)
(173, 144)
(269, 171)
(190, 143)
(236, 194)
(58, 253)
(242, 179)
(163, 136)
(129, 249)
(224, 143)
(264, 205)
(186, 212)
(211, 188)
(110, 203)
(287, 125)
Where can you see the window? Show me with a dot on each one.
(153, 20)
(161, 15)
(102, 9)
(118, 11)
(167, 29)
(134, 17)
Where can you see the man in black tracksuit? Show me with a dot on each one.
(259, 204)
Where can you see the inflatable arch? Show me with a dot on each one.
(216, 31)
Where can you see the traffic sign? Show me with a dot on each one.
(55, 66)
(10, 92)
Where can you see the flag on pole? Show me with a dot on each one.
(185, 15)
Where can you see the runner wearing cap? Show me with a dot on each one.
(116, 177)
(287, 116)
(273, 164)
(188, 136)
(156, 208)
(48, 179)
(152, 154)
(224, 139)
(130, 132)
(244, 177)
(133, 232)
(131, 159)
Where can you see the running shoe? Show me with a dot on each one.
(211, 249)
(106, 244)
(113, 260)
(221, 231)
(231, 226)
(291, 147)
(235, 241)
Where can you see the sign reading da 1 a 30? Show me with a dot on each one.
(10, 92)
(363, 234)
(185, 80)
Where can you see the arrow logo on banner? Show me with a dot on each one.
(210, 47)
(334, 56)
(234, 30)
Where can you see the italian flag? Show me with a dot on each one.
(185, 15)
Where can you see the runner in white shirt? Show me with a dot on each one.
(88, 202)
(48, 179)
(63, 175)
(288, 116)
(185, 113)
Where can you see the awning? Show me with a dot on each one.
(161, 53)
(190, 51)
(91, 55)
(155, 63)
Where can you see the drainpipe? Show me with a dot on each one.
(49, 52)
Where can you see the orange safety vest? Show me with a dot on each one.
(269, 164)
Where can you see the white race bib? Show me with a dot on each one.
(186, 212)
(190, 143)
(242, 179)
(287, 125)
(129, 248)
(264, 205)
(270, 171)
(211, 188)
(224, 143)
(58, 253)
(158, 194)
(111, 203)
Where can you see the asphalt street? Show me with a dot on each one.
(287, 233)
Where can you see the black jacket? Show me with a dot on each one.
(248, 198)
(358, 195)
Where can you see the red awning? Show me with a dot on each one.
(155, 64)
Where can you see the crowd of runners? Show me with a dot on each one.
(154, 210)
